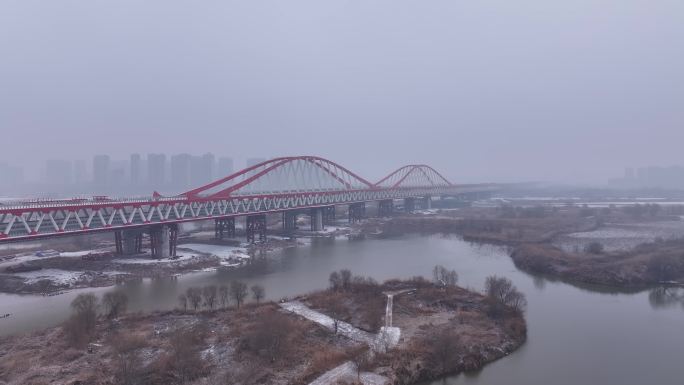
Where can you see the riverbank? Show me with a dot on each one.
(266, 344)
(569, 244)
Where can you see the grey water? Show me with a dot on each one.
(575, 335)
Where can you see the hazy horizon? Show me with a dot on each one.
(487, 91)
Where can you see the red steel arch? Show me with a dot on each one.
(284, 175)
(413, 175)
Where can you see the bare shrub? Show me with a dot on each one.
(127, 360)
(444, 277)
(258, 293)
(194, 295)
(114, 304)
(271, 337)
(80, 327)
(335, 281)
(665, 267)
(224, 295)
(238, 290)
(185, 359)
(183, 302)
(444, 348)
(345, 278)
(209, 294)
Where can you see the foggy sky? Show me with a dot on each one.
(483, 90)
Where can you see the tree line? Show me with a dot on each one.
(211, 297)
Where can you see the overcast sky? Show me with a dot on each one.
(484, 90)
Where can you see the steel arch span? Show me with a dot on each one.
(414, 175)
(277, 185)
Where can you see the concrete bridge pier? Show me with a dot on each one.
(290, 220)
(385, 208)
(256, 228)
(224, 228)
(317, 219)
(128, 242)
(409, 204)
(163, 240)
(357, 212)
(328, 215)
(427, 203)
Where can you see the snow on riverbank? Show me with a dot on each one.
(62, 277)
(347, 373)
(220, 251)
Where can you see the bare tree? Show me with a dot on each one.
(272, 335)
(345, 278)
(183, 301)
(444, 277)
(194, 295)
(81, 325)
(502, 293)
(238, 290)
(115, 304)
(335, 281)
(224, 295)
(258, 293)
(209, 294)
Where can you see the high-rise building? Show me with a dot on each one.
(101, 171)
(156, 170)
(11, 177)
(180, 170)
(201, 169)
(225, 167)
(58, 172)
(80, 172)
(136, 169)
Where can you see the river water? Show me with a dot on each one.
(576, 336)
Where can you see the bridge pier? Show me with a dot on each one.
(385, 208)
(224, 227)
(317, 219)
(290, 220)
(163, 240)
(357, 211)
(409, 204)
(427, 203)
(128, 242)
(256, 227)
(328, 215)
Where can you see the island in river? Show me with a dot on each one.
(422, 331)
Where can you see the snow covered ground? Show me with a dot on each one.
(347, 373)
(385, 339)
(149, 260)
(220, 251)
(60, 277)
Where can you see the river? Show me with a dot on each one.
(576, 336)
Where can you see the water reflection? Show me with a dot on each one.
(666, 297)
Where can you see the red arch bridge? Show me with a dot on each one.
(284, 185)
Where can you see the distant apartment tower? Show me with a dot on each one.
(202, 169)
(10, 177)
(101, 170)
(225, 167)
(156, 170)
(59, 172)
(80, 172)
(180, 170)
(136, 169)
(254, 161)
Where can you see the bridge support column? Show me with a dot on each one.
(317, 219)
(290, 220)
(409, 204)
(328, 215)
(256, 227)
(163, 240)
(427, 203)
(385, 208)
(224, 228)
(128, 242)
(357, 211)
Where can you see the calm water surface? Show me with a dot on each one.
(576, 336)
